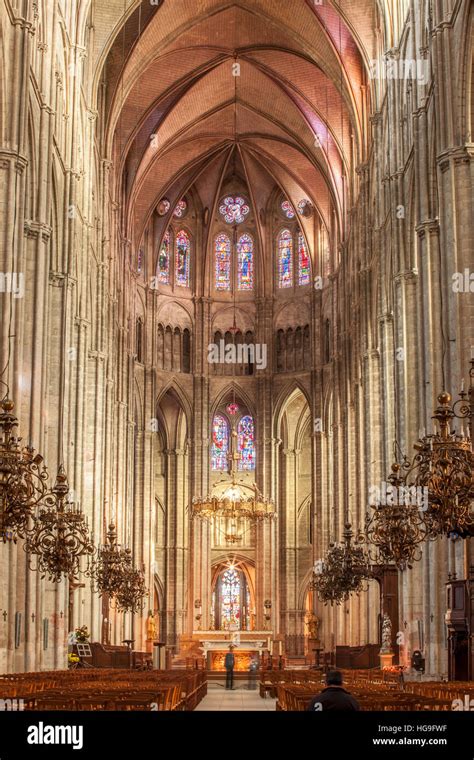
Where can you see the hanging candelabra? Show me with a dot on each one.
(396, 527)
(108, 568)
(443, 466)
(60, 536)
(237, 501)
(23, 478)
(113, 574)
(132, 590)
(344, 570)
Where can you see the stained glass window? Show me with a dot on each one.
(304, 207)
(303, 261)
(285, 259)
(220, 443)
(164, 260)
(230, 600)
(222, 262)
(234, 209)
(183, 250)
(245, 262)
(288, 209)
(163, 206)
(180, 209)
(246, 443)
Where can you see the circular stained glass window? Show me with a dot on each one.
(180, 209)
(305, 207)
(288, 210)
(234, 210)
(163, 206)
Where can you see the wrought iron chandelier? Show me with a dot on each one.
(443, 466)
(396, 528)
(344, 570)
(113, 574)
(108, 567)
(60, 536)
(23, 478)
(130, 595)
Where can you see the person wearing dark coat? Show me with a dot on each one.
(334, 696)
(229, 663)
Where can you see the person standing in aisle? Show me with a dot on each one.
(229, 663)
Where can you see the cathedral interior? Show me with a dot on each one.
(236, 304)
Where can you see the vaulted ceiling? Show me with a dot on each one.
(188, 83)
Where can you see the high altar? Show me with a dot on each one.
(246, 645)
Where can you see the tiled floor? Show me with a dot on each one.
(239, 699)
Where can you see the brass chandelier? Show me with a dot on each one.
(108, 567)
(130, 595)
(442, 474)
(60, 535)
(444, 466)
(238, 500)
(113, 574)
(396, 528)
(23, 478)
(435, 491)
(344, 570)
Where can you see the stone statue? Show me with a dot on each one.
(313, 626)
(150, 627)
(386, 635)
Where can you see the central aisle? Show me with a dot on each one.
(240, 699)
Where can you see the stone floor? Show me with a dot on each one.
(240, 699)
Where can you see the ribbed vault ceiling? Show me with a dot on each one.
(295, 114)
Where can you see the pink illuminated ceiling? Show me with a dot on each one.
(296, 113)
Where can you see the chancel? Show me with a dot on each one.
(236, 363)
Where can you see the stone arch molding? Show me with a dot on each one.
(284, 399)
(174, 314)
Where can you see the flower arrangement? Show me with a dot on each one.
(73, 659)
(82, 634)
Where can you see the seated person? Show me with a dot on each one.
(333, 696)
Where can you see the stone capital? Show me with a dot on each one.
(35, 229)
(461, 154)
(430, 226)
(57, 278)
(407, 275)
(97, 355)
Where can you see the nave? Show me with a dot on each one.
(236, 363)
